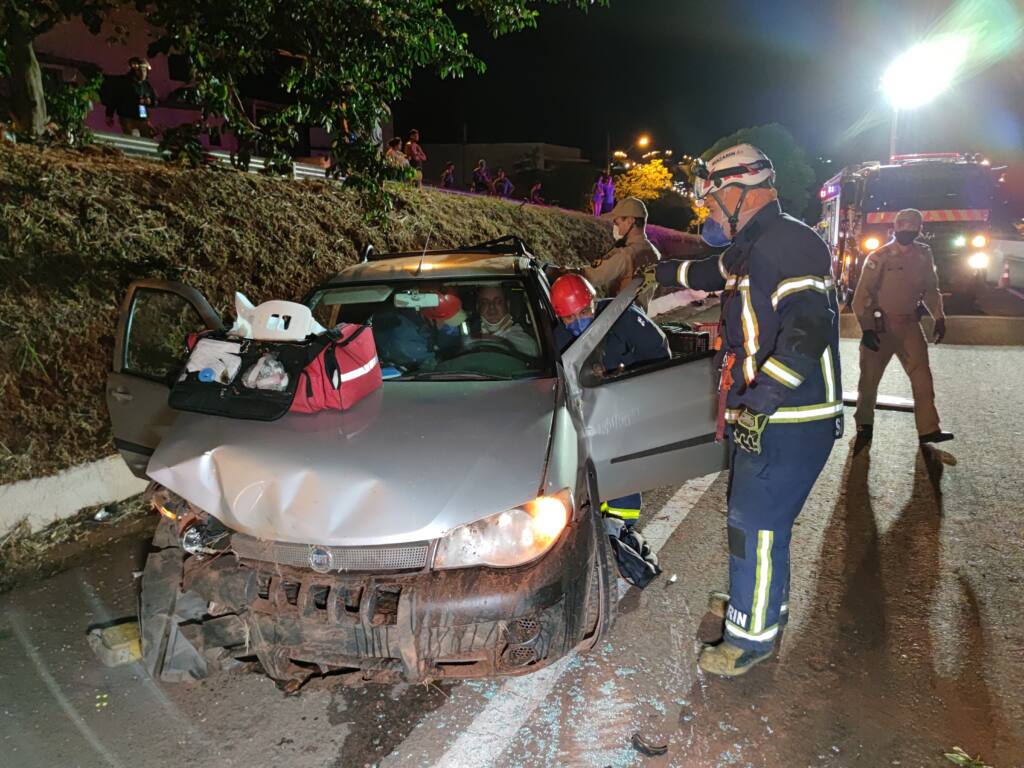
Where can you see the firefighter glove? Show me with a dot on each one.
(940, 329)
(870, 340)
(649, 276)
(746, 432)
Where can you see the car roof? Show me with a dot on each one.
(433, 265)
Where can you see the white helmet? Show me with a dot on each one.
(743, 165)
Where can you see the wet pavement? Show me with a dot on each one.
(905, 638)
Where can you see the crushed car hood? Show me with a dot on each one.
(408, 463)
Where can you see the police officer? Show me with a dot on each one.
(895, 281)
(782, 398)
(632, 251)
(633, 340)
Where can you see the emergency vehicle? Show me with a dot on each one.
(956, 193)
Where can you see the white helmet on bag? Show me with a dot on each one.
(742, 165)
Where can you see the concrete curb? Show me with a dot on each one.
(44, 500)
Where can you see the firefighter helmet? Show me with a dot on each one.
(570, 294)
(743, 165)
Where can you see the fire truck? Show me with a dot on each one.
(956, 193)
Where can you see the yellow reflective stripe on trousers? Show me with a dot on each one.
(782, 373)
(681, 274)
(761, 637)
(762, 581)
(749, 332)
(828, 373)
(795, 413)
(625, 514)
(795, 284)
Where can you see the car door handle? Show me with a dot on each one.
(122, 395)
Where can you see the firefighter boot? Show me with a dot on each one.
(712, 625)
(729, 660)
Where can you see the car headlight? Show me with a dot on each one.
(979, 241)
(959, 241)
(871, 243)
(978, 260)
(509, 538)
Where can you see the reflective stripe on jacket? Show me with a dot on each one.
(781, 317)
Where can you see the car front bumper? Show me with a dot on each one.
(412, 626)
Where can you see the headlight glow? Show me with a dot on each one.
(979, 241)
(871, 243)
(959, 241)
(508, 538)
(979, 260)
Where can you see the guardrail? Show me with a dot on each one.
(136, 146)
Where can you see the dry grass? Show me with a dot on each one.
(77, 227)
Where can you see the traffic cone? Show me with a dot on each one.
(1004, 279)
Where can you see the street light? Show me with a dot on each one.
(921, 74)
(644, 141)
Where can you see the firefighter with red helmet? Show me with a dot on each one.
(781, 390)
(633, 340)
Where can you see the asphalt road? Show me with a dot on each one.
(905, 639)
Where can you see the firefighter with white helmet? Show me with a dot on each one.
(780, 399)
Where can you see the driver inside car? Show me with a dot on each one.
(497, 323)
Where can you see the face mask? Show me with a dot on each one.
(618, 235)
(579, 325)
(714, 234)
(906, 236)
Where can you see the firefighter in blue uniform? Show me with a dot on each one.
(782, 396)
(634, 339)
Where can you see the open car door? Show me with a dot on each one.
(149, 351)
(647, 428)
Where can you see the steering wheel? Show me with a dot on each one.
(501, 346)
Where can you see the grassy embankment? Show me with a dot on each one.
(77, 227)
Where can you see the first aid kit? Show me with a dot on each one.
(264, 378)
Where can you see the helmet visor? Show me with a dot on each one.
(707, 181)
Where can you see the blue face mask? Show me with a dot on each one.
(579, 325)
(714, 234)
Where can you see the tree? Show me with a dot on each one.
(793, 175)
(337, 63)
(21, 22)
(646, 181)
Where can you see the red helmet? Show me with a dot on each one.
(570, 294)
(449, 307)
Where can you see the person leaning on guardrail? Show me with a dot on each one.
(132, 98)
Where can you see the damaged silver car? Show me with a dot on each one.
(447, 526)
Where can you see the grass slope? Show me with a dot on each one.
(77, 227)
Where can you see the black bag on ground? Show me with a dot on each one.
(637, 562)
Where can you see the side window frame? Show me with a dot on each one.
(200, 305)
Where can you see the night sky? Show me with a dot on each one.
(689, 72)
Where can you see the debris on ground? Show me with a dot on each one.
(959, 757)
(649, 746)
(28, 554)
(116, 645)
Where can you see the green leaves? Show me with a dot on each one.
(959, 757)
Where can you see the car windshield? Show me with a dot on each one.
(434, 331)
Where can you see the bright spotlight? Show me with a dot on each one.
(978, 261)
(644, 141)
(925, 71)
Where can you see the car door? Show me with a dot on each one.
(648, 428)
(149, 350)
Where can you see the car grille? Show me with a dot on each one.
(396, 557)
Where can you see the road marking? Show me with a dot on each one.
(69, 709)
(491, 731)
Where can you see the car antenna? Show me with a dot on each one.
(426, 242)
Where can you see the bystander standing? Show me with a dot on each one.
(131, 97)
